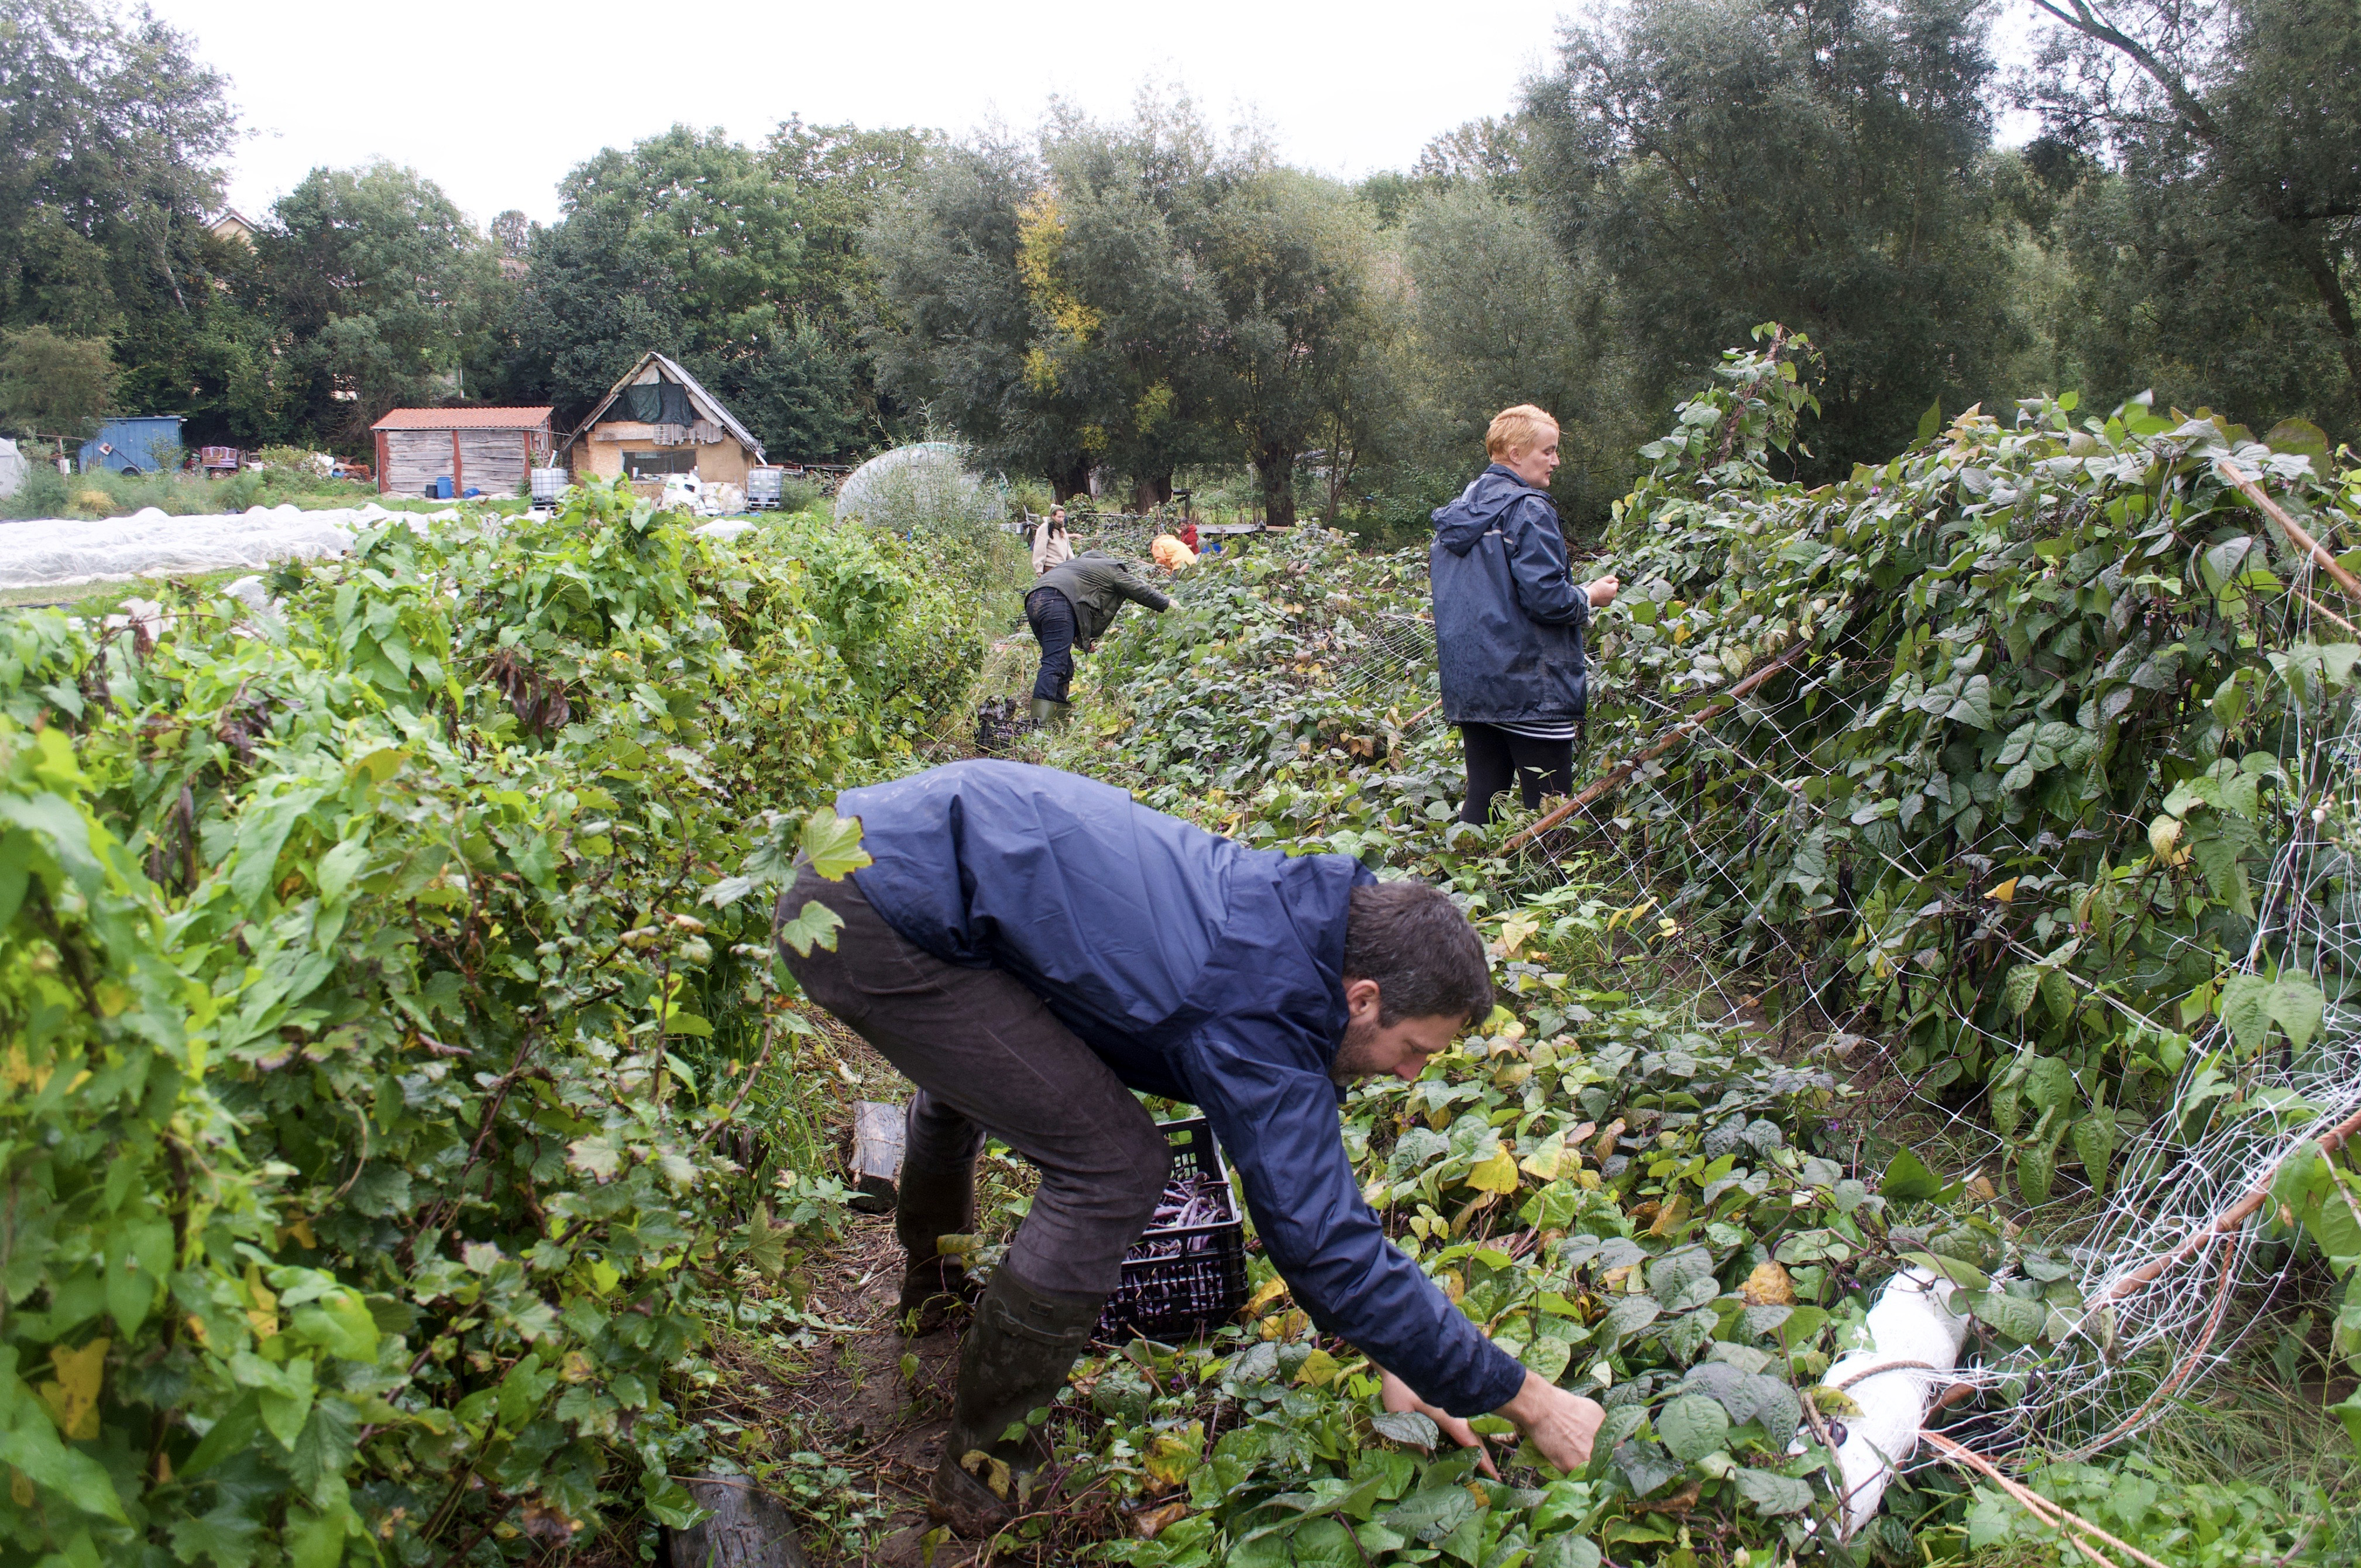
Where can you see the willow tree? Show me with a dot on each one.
(1819, 162)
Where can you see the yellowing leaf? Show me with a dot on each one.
(1497, 1174)
(73, 1397)
(1768, 1286)
(1546, 1160)
(2164, 837)
(2005, 893)
(833, 844)
(1319, 1369)
(1171, 1455)
(1515, 932)
(1270, 1290)
(264, 1312)
(1149, 1523)
(1671, 1216)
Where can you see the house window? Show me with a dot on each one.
(653, 464)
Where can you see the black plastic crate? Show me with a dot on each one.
(1180, 1281)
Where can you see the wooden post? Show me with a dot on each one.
(876, 1156)
(1613, 779)
(380, 460)
(458, 468)
(2303, 540)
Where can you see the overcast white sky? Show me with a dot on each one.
(494, 101)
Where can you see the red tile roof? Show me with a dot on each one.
(463, 418)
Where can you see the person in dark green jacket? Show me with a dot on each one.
(1071, 605)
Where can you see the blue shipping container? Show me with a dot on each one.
(144, 443)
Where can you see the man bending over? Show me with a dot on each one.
(1028, 947)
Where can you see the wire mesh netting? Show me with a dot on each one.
(2168, 1262)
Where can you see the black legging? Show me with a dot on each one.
(1494, 755)
(1051, 616)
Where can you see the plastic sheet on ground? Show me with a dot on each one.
(62, 551)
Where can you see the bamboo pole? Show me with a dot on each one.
(2057, 1516)
(1608, 783)
(2303, 541)
(2228, 1221)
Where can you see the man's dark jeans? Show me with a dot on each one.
(1051, 616)
(987, 1056)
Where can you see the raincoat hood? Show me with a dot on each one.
(1481, 507)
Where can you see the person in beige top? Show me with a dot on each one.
(1051, 547)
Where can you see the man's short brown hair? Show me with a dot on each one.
(1517, 429)
(1427, 959)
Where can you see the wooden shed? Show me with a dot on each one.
(489, 449)
(658, 419)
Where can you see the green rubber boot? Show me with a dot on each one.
(1013, 1361)
(932, 1204)
(1049, 714)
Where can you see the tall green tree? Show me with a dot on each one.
(52, 385)
(955, 326)
(1114, 257)
(379, 282)
(1291, 256)
(111, 134)
(740, 262)
(1135, 296)
(2216, 221)
(1501, 315)
(1819, 162)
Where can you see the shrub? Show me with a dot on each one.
(394, 1021)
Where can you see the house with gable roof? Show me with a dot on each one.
(660, 420)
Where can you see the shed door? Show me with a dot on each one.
(413, 458)
(494, 459)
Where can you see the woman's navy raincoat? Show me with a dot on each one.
(1508, 613)
(1198, 970)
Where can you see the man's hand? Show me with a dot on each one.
(1562, 1425)
(1395, 1394)
(1603, 591)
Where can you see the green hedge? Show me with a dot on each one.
(382, 974)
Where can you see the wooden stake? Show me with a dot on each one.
(2056, 1515)
(2303, 541)
(2236, 1215)
(1608, 783)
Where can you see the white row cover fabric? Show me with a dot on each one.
(63, 552)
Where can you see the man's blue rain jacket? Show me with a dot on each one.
(1507, 614)
(1198, 970)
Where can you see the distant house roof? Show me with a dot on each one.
(230, 223)
(463, 419)
(705, 402)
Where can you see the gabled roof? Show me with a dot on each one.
(705, 402)
(463, 418)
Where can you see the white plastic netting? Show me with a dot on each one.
(64, 551)
(925, 485)
(2171, 1264)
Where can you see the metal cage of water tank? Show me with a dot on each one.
(548, 484)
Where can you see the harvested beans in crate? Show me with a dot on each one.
(1187, 1273)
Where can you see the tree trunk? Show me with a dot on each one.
(1275, 462)
(1150, 491)
(2324, 277)
(1071, 477)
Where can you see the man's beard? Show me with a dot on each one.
(1355, 1057)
